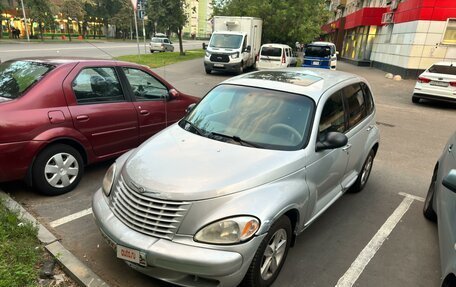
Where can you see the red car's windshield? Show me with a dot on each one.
(18, 76)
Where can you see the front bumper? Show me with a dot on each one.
(190, 264)
(227, 67)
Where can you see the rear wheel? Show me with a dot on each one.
(270, 256)
(415, 100)
(363, 176)
(428, 209)
(208, 71)
(57, 169)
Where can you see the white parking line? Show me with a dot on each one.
(71, 217)
(357, 267)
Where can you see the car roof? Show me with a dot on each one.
(312, 82)
(320, 43)
(275, 45)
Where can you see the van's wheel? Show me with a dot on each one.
(208, 71)
(57, 169)
(241, 69)
(363, 176)
(270, 256)
(415, 100)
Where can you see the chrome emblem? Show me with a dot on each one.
(137, 187)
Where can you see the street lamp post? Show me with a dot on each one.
(25, 21)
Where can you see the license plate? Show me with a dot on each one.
(440, 84)
(315, 63)
(219, 65)
(131, 255)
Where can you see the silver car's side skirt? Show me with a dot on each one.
(323, 209)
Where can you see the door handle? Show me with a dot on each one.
(82, 117)
(144, 112)
(347, 147)
(369, 128)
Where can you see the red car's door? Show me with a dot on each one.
(150, 100)
(100, 109)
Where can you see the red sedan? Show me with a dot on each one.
(58, 115)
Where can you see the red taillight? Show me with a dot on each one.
(423, 80)
(283, 59)
(453, 84)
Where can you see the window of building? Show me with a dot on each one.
(450, 32)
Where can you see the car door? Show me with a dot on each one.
(100, 110)
(168, 45)
(327, 167)
(361, 124)
(149, 98)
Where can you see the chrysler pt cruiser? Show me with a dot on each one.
(218, 198)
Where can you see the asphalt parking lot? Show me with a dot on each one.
(375, 238)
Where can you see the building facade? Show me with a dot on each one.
(199, 14)
(399, 36)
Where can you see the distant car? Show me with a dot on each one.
(160, 44)
(440, 205)
(57, 115)
(218, 198)
(274, 56)
(320, 55)
(438, 83)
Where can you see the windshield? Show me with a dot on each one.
(262, 118)
(18, 76)
(271, 51)
(318, 51)
(442, 69)
(226, 41)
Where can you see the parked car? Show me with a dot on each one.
(218, 198)
(160, 44)
(57, 115)
(437, 83)
(273, 56)
(440, 205)
(320, 55)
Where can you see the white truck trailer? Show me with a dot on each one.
(234, 44)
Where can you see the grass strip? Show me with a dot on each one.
(155, 60)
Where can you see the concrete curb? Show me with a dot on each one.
(77, 270)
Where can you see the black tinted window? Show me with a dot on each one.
(96, 85)
(440, 69)
(332, 117)
(271, 52)
(18, 76)
(356, 104)
(368, 98)
(318, 51)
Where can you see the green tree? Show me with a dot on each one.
(41, 12)
(123, 18)
(72, 10)
(5, 4)
(284, 21)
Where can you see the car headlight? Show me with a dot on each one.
(208, 54)
(229, 230)
(109, 179)
(235, 55)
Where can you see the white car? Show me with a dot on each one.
(437, 83)
(276, 56)
(160, 44)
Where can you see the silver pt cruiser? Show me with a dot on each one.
(218, 198)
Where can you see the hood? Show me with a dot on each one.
(179, 165)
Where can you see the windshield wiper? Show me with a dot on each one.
(237, 139)
(197, 129)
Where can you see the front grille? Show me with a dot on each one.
(145, 214)
(219, 58)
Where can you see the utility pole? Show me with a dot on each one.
(25, 21)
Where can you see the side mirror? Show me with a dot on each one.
(204, 46)
(449, 181)
(337, 52)
(190, 108)
(248, 49)
(173, 93)
(332, 140)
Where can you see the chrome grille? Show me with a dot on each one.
(219, 58)
(145, 214)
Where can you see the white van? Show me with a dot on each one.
(273, 56)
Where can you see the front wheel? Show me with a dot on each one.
(363, 176)
(57, 169)
(208, 71)
(270, 256)
(428, 209)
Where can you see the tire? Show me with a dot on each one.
(276, 241)
(152, 51)
(208, 71)
(428, 209)
(57, 170)
(363, 176)
(240, 69)
(415, 100)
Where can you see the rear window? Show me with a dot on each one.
(157, 40)
(17, 76)
(442, 69)
(271, 51)
(318, 51)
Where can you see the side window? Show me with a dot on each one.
(144, 86)
(97, 85)
(332, 117)
(356, 104)
(368, 98)
(244, 45)
(166, 41)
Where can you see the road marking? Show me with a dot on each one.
(418, 198)
(71, 217)
(357, 267)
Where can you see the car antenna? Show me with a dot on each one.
(112, 57)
